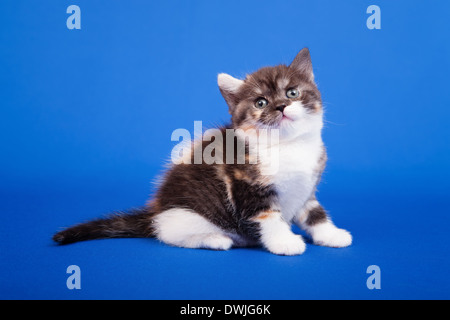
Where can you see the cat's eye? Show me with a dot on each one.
(292, 93)
(261, 103)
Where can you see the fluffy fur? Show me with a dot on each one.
(220, 205)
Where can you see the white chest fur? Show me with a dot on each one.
(295, 176)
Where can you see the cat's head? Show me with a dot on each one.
(281, 97)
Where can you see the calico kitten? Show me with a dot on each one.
(222, 205)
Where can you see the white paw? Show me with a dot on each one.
(287, 245)
(217, 242)
(330, 236)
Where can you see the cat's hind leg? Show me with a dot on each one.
(186, 228)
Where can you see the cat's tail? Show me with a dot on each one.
(136, 223)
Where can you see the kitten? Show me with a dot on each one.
(222, 205)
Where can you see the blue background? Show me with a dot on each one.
(87, 115)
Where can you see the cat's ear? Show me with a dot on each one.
(302, 63)
(229, 87)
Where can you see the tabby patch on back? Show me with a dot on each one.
(255, 177)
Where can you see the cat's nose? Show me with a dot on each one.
(281, 108)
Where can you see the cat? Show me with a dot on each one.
(223, 205)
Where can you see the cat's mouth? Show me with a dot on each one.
(276, 122)
(283, 118)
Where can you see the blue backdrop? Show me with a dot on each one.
(87, 115)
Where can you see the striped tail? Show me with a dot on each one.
(136, 223)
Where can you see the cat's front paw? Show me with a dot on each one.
(287, 245)
(330, 236)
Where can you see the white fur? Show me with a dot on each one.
(324, 234)
(228, 83)
(301, 124)
(185, 228)
(327, 234)
(299, 150)
(277, 237)
(296, 179)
